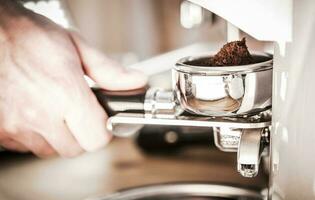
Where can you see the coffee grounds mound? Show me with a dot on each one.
(231, 54)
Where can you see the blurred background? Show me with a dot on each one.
(132, 31)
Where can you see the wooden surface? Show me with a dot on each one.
(120, 165)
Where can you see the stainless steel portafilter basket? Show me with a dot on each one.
(223, 90)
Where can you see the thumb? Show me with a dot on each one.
(105, 72)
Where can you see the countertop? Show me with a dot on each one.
(120, 165)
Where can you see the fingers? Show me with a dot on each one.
(34, 143)
(13, 146)
(106, 73)
(62, 141)
(86, 120)
(54, 139)
(58, 141)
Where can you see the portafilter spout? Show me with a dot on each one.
(249, 152)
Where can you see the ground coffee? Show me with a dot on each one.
(231, 54)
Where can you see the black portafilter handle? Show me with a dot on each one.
(153, 138)
(131, 101)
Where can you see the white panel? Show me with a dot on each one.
(293, 114)
(262, 19)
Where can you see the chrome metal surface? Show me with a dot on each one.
(249, 152)
(227, 139)
(184, 191)
(120, 122)
(264, 62)
(161, 103)
(223, 91)
(231, 134)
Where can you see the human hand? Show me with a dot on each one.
(46, 106)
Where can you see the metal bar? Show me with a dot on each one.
(140, 119)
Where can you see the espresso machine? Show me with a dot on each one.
(262, 110)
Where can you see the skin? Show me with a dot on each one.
(46, 106)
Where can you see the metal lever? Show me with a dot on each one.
(249, 152)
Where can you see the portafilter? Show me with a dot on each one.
(202, 90)
(233, 100)
(223, 90)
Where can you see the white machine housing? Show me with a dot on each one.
(291, 25)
